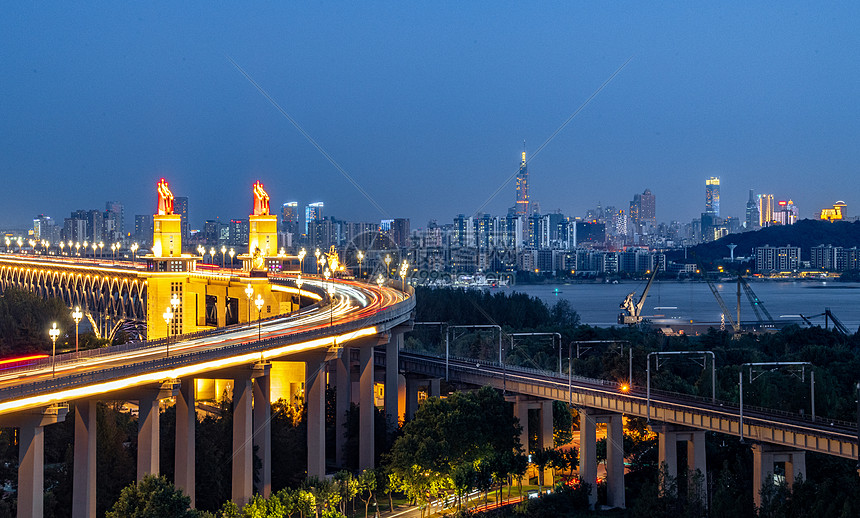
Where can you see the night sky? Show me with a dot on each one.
(426, 106)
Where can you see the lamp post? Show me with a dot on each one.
(113, 251)
(359, 255)
(379, 280)
(259, 303)
(302, 254)
(404, 269)
(168, 316)
(232, 253)
(249, 292)
(77, 316)
(331, 292)
(101, 249)
(95, 249)
(174, 303)
(223, 251)
(54, 333)
(62, 245)
(77, 248)
(134, 248)
(299, 283)
(212, 255)
(387, 265)
(317, 253)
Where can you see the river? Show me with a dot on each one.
(598, 304)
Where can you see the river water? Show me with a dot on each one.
(598, 304)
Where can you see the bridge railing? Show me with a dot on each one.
(705, 402)
(111, 373)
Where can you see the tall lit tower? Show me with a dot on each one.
(523, 189)
(765, 210)
(712, 195)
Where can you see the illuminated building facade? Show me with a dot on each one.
(765, 210)
(522, 206)
(752, 220)
(838, 212)
(313, 212)
(712, 195)
(290, 217)
(785, 213)
(181, 208)
(643, 210)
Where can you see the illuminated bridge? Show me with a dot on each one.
(776, 436)
(260, 333)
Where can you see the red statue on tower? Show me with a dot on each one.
(261, 200)
(165, 198)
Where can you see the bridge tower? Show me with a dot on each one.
(263, 254)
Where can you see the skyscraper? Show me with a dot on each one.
(643, 210)
(118, 210)
(313, 212)
(712, 195)
(180, 206)
(290, 218)
(765, 210)
(523, 189)
(752, 219)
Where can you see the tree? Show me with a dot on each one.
(153, 497)
(463, 479)
(367, 488)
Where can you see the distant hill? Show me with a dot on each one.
(806, 234)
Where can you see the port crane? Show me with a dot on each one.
(761, 313)
(632, 311)
(736, 326)
(828, 315)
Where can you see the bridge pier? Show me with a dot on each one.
(366, 409)
(764, 458)
(668, 437)
(522, 405)
(243, 449)
(315, 401)
(263, 429)
(31, 457)
(342, 401)
(185, 454)
(84, 474)
(148, 424)
(392, 376)
(588, 452)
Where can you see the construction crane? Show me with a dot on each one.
(755, 302)
(736, 327)
(828, 316)
(632, 314)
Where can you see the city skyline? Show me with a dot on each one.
(99, 114)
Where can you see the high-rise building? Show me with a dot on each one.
(523, 189)
(712, 196)
(785, 213)
(238, 233)
(643, 210)
(180, 206)
(290, 217)
(95, 226)
(143, 228)
(116, 208)
(400, 232)
(313, 212)
(752, 218)
(765, 210)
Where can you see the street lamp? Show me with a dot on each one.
(201, 250)
(174, 302)
(101, 248)
(77, 248)
(232, 253)
(113, 251)
(302, 254)
(259, 303)
(223, 251)
(95, 249)
(62, 245)
(168, 316)
(54, 333)
(249, 291)
(212, 255)
(317, 253)
(404, 269)
(387, 265)
(360, 256)
(299, 283)
(379, 280)
(331, 292)
(134, 248)
(77, 316)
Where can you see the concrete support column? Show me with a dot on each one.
(764, 457)
(366, 407)
(521, 412)
(667, 451)
(344, 383)
(185, 454)
(148, 424)
(588, 452)
(84, 477)
(315, 401)
(392, 366)
(696, 460)
(434, 388)
(411, 397)
(243, 450)
(615, 461)
(546, 436)
(31, 471)
(263, 431)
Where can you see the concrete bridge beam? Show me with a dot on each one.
(84, 475)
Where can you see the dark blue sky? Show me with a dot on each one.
(426, 107)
